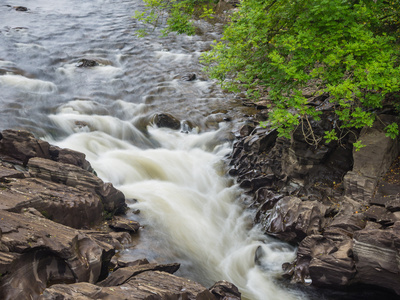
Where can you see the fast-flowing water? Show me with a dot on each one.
(189, 209)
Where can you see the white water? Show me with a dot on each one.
(183, 195)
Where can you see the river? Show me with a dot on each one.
(190, 210)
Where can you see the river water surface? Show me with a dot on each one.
(189, 209)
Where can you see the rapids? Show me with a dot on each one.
(189, 208)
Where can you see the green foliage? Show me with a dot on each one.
(177, 14)
(347, 48)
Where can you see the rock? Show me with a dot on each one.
(40, 252)
(262, 141)
(19, 146)
(189, 77)
(20, 8)
(68, 156)
(292, 220)
(323, 262)
(73, 176)
(122, 275)
(372, 161)
(141, 281)
(146, 285)
(122, 224)
(87, 63)
(166, 120)
(66, 205)
(376, 254)
(224, 290)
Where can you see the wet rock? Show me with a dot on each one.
(292, 219)
(376, 253)
(189, 77)
(122, 224)
(40, 252)
(20, 8)
(166, 120)
(224, 290)
(87, 63)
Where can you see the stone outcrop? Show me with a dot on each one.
(39, 252)
(336, 204)
(372, 161)
(143, 281)
(59, 183)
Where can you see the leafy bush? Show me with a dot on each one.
(347, 48)
(178, 14)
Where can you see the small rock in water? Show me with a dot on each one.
(20, 8)
(189, 77)
(86, 63)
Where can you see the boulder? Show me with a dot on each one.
(376, 254)
(292, 219)
(372, 161)
(63, 204)
(72, 176)
(166, 120)
(18, 146)
(37, 252)
(122, 224)
(87, 63)
(225, 291)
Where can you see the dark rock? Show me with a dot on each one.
(189, 77)
(73, 176)
(145, 285)
(292, 220)
(260, 142)
(68, 156)
(380, 215)
(122, 224)
(20, 8)
(224, 290)
(19, 146)
(86, 63)
(376, 253)
(41, 252)
(166, 120)
(66, 205)
(372, 161)
(323, 262)
(246, 130)
(122, 275)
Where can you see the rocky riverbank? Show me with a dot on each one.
(340, 206)
(59, 232)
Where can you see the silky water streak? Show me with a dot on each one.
(189, 203)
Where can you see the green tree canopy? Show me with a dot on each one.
(347, 48)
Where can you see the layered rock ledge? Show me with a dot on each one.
(51, 244)
(340, 206)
